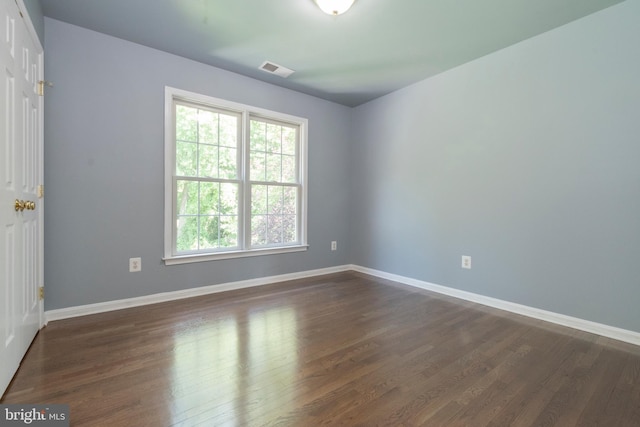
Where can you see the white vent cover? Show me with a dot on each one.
(278, 70)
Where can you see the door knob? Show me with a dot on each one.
(21, 205)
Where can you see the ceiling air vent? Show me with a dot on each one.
(278, 70)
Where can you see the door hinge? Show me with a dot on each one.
(40, 191)
(41, 85)
(41, 292)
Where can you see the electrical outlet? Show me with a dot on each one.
(466, 262)
(135, 265)
(334, 245)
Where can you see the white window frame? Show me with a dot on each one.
(170, 254)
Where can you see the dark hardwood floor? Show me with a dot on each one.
(345, 349)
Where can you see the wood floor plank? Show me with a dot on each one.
(343, 349)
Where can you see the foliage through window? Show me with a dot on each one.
(235, 176)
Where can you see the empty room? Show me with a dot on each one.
(309, 212)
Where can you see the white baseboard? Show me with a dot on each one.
(619, 334)
(101, 307)
(615, 333)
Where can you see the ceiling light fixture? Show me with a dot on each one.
(334, 7)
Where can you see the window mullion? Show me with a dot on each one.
(174, 214)
(199, 217)
(246, 184)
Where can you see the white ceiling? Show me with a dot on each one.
(375, 48)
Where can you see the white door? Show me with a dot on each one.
(21, 311)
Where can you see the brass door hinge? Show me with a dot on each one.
(41, 85)
(40, 191)
(41, 292)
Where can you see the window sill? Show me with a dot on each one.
(186, 259)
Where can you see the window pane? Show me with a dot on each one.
(207, 215)
(208, 232)
(229, 199)
(187, 233)
(257, 136)
(228, 131)
(258, 166)
(274, 232)
(274, 202)
(207, 127)
(274, 167)
(209, 198)
(186, 123)
(289, 140)
(290, 201)
(289, 228)
(186, 158)
(208, 161)
(274, 138)
(288, 169)
(280, 223)
(187, 198)
(228, 231)
(258, 199)
(258, 230)
(228, 158)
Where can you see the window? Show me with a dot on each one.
(235, 179)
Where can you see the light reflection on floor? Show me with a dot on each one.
(218, 364)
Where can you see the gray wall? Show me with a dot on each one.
(527, 160)
(34, 9)
(104, 169)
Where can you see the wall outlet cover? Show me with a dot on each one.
(466, 262)
(135, 265)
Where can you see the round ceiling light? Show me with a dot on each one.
(334, 7)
